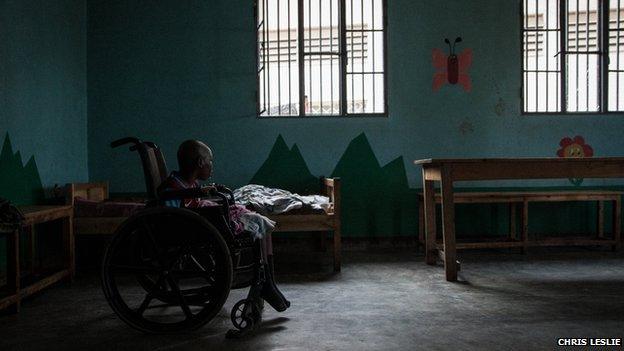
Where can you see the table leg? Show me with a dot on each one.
(430, 221)
(448, 225)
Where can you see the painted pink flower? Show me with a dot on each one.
(574, 147)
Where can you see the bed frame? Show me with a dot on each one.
(328, 221)
(91, 225)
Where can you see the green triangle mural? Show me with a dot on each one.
(376, 200)
(285, 168)
(18, 182)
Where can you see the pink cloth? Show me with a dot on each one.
(175, 182)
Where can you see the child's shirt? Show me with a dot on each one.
(242, 218)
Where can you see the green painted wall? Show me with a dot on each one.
(170, 70)
(43, 93)
(43, 98)
(18, 181)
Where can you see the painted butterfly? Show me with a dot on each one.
(452, 69)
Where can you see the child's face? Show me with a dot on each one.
(205, 166)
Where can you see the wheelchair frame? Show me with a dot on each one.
(203, 247)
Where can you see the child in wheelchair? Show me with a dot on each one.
(195, 161)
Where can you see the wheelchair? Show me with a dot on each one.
(169, 270)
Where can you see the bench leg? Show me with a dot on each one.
(421, 224)
(512, 221)
(617, 223)
(337, 248)
(600, 220)
(13, 270)
(525, 226)
(68, 243)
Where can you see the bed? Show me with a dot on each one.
(96, 214)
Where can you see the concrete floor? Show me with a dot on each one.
(381, 301)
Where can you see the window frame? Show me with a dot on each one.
(603, 83)
(343, 54)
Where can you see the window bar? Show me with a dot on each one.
(260, 60)
(373, 52)
(310, 58)
(331, 58)
(362, 51)
(537, 56)
(587, 33)
(603, 39)
(279, 62)
(352, 63)
(342, 26)
(267, 45)
(577, 55)
(559, 61)
(525, 62)
(301, 63)
(321, 49)
(547, 36)
(563, 26)
(289, 65)
(617, 53)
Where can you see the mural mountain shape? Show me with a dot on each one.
(285, 168)
(19, 183)
(376, 200)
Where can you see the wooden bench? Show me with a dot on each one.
(521, 200)
(17, 290)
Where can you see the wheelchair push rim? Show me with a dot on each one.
(166, 270)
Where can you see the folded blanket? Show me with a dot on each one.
(275, 201)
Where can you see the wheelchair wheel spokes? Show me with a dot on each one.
(166, 270)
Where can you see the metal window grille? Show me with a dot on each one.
(321, 57)
(571, 56)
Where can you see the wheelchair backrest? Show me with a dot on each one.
(153, 161)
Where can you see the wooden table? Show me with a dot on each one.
(37, 215)
(448, 171)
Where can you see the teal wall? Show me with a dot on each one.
(43, 98)
(43, 93)
(172, 70)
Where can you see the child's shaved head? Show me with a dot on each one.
(195, 156)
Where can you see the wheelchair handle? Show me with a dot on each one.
(124, 141)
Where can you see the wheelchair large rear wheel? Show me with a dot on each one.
(166, 270)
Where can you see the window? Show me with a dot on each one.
(321, 58)
(572, 56)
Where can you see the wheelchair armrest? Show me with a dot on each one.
(180, 194)
(224, 189)
(202, 193)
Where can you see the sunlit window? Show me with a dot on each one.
(571, 56)
(321, 57)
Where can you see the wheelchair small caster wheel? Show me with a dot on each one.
(245, 314)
